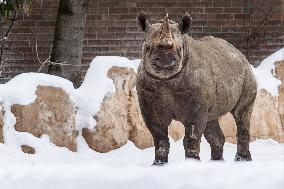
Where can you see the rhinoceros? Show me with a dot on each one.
(194, 81)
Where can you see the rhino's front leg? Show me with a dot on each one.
(162, 144)
(159, 131)
(157, 119)
(194, 128)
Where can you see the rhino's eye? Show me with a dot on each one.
(147, 48)
(179, 51)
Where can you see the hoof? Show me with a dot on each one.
(217, 159)
(243, 157)
(193, 157)
(159, 163)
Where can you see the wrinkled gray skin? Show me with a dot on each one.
(194, 82)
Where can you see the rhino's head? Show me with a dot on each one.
(163, 51)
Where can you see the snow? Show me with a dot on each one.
(21, 89)
(264, 73)
(127, 167)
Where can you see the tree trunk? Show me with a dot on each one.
(68, 40)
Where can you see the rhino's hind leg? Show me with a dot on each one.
(242, 113)
(215, 137)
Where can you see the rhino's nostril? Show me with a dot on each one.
(174, 61)
(157, 60)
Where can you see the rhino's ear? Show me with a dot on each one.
(185, 23)
(142, 21)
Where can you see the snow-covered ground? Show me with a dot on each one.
(127, 167)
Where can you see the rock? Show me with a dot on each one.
(279, 72)
(113, 128)
(229, 128)
(139, 134)
(176, 130)
(52, 113)
(28, 149)
(1, 124)
(265, 121)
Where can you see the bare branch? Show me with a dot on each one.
(12, 24)
(255, 28)
(47, 61)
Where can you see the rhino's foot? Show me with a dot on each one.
(217, 159)
(159, 163)
(239, 157)
(193, 157)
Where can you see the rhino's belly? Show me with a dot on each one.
(227, 95)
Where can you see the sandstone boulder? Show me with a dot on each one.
(139, 134)
(28, 149)
(119, 118)
(1, 124)
(176, 130)
(229, 128)
(265, 120)
(279, 71)
(52, 113)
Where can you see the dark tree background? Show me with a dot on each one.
(66, 53)
(256, 21)
(9, 10)
(68, 40)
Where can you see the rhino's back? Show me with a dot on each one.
(219, 54)
(227, 68)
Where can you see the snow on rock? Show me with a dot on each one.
(265, 73)
(126, 167)
(52, 113)
(21, 90)
(96, 85)
(112, 129)
(119, 118)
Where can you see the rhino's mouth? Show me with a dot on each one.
(163, 68)
(161, 73)
(169, 71)
(160, 65)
